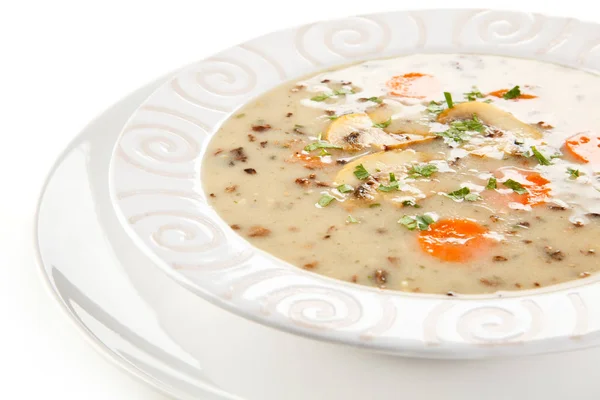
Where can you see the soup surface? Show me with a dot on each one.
(427, 173)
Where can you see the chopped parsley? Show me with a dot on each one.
(425, 170)
(473, 197)
(374, 99)
(375, 205)
(360, 172)
(325, 96)
(420, 222)
(575, 173)
(448, 98)
(351, 220)
(473, 124)
(321, 144)
(515, 186)
(454, 135)
(394, 184)
(464, 193)
(492, 183)
(473, 95)
(343, 92)
(325, 200)
(512, 93)
(242, 115)
(345, 188)
(410, 203)
(540, 157)
(383, 124)
(435, 107)
(458, 129)
(333, 117)
(321, 97)
(390, 188)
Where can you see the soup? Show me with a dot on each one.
(431, 173)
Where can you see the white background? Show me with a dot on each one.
(63, 62)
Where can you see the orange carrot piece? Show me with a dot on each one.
(455, 240)
(538, 191)
(310, 162)
(413, 85)
(523, 96)
(585, 147)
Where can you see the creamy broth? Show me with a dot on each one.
(366, 174)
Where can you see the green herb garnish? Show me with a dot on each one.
(473, 197)
(375, 205)
(512, 93)
(421, 222)
(454, 135)
(435, 107)
(333, 117)
(473, 124)
(448, 98)
(384, 124)
(360, 172)
(351, 220)
(325, 96)
(321, 97)
(425, 170)
(345, 188)
(325, 200)
(395, 185)
(575, 173)
(324, 153)
(492, 183)
(515, 186)
(374, 99)
(458, 129)
(321, 144)
(464, 193)
(410, 203)
(242, 115)
(474, 94)
(343, 92)
(540, 157)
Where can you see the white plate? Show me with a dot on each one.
(156, 189)
(186, 347)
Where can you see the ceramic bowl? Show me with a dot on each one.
(157, 193)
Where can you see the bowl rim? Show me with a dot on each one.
(155, 190)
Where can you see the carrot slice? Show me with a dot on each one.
(538, 191)
(413, 85)
(455, 240)
(523, 96)
(310, 162)
(585, 147)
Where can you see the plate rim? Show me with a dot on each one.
(100, 347)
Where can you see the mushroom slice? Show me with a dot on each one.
(492, 116)
(381, 163)
(356, 131)
(398, 125)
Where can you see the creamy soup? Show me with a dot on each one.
(427, 173)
